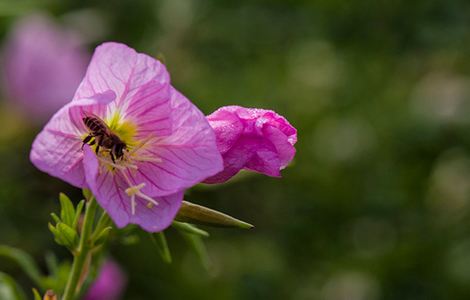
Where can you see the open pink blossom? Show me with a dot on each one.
(255, 139)
(43, 66)
(109, 284)
(170, 144)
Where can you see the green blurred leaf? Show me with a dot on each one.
(197, 245)
(159, 240)
(67, 212)
(198, 214)
(52, 263)
(25, 261)
(188, 228)
(102, 236)
(36, 294)
(78, 213)
(130, 239)
(9, 289)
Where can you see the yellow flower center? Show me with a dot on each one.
(124, 129)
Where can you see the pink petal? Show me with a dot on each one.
(141, 84)
(150, 110)
(254, 139)
(187, 157)
(56, 149)
(109, 189)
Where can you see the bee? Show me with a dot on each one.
(103, 137)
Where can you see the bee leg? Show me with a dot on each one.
(98, 141)
(112, 156)
(86, 140)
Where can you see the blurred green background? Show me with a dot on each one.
(376, 203)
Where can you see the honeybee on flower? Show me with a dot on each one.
(170, 144)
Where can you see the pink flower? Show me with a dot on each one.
(109, 284)
(43, 66)
(254, 139)
(170, 146)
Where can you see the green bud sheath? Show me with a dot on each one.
(198, 214)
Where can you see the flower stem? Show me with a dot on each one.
(83, 251)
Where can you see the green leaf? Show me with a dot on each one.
(78, 213)
(67, 236)
(197, 244)
(51, 263)
(25, 261)
(188, 228)
(36, 294)
(102, 236)
(67, 212)
(9, 289)
(198, 214)
(159, 240)
(55, 218)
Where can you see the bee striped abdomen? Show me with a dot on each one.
(101, 135)
(95, 125)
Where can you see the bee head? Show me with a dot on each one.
(119, 149)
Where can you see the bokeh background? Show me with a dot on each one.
(376, 203)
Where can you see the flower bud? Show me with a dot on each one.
(198, 214)
(50, 295)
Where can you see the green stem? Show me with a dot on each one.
(84, 247)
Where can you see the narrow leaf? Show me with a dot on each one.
(159, 240)
(25, 261)
(52, 263)
(188, 228)
(103, 235)
(198, 214)
(78, 213)
(36, 294)
(67, 213)
(197, 244)
(9, 289)
(55, 218)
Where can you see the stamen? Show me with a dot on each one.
(122, 166)
(133, 204)
(148, 158)
(150, 200)
(133, 191)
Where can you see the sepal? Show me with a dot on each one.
(198, 214)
